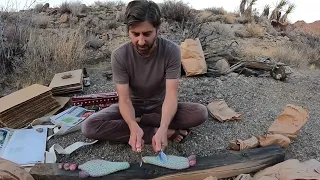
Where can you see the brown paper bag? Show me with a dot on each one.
(239, 144)
(274, 139)
(192, 57)
(219, 110)
(290, 121)
(291, 169)
(12, 171)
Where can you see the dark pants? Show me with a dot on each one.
(108, 124)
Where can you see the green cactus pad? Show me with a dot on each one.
(96, 168)
(174, 162)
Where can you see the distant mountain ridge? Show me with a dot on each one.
(310, 28)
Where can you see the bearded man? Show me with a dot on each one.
(146, 72)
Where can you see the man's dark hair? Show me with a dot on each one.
(142, 10)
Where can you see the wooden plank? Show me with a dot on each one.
(224, 164)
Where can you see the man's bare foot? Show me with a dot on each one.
(179, 137)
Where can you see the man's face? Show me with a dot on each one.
(143, 36)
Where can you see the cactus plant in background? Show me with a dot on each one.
(275, 13)
(284, 18)
(266, 10)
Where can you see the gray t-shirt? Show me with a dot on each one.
(146, 76)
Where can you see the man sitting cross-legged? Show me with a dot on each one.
(146, 71)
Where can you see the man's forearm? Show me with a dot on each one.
(169, 109)
(127, 111)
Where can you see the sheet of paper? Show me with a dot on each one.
(26, 146)
(51, 155)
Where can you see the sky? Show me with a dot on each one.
(306, 10)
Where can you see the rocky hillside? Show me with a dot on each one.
(39, 42)
(310, 28)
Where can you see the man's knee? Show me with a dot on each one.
(201, 113)
(87, 128)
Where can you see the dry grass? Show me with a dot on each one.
(216, 10)
(65, 8)
(255, 51)
(38, 8)
(77, 8)
(255, 30)
(223, 30)
(47, 54)
(176, 10)
(292, 56)
(230, 18)
(40, 21)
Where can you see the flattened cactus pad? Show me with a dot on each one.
(174, 162)
(97, 167)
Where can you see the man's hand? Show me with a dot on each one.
(160, 139)
(136, 133)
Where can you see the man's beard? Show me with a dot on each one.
(145, 49)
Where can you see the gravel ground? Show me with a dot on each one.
(259, 99)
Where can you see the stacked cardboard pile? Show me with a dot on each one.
(22, 107)
(67, 82)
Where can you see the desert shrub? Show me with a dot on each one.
(291, 56)
(49, 53)
(310, 45)
(255, 30)
(38, 8)
(65, 8)
(253, 51)
(176, 10)
(77, 8)
(109, 4)
(230, 18)
(223, 29)
(41, 21)
(216, 10)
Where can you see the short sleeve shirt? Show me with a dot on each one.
(146, 76)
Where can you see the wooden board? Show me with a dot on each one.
(224, 164)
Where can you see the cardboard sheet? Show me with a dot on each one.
(22, 107)
(62, 85)
(21, 96)
(58, 81)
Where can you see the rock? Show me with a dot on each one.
(242, 33)
(64, 25)
(45, 7)
(222, 65)
(80, 16)
(95, 43)
(53, 12)
(64, 18)
(99, 55)
(233, 74)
